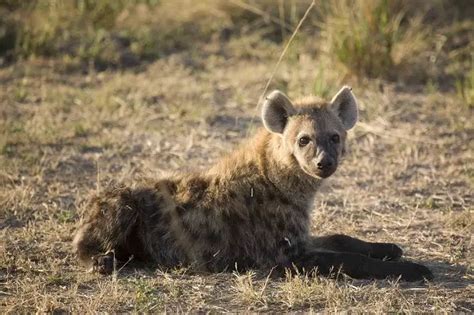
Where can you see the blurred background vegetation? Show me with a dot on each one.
(414, 41)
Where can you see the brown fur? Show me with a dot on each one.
(250, 210)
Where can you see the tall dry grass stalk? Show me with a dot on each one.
(372, 38)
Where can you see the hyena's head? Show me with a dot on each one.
(313, 132)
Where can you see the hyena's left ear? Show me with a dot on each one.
(344, 105)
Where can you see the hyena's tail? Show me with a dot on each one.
(114, 222)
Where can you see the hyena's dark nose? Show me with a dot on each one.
(325, 164)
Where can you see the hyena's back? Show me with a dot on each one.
(131, 222)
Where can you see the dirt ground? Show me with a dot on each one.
(408, 179)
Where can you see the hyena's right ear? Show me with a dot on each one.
(276, 110)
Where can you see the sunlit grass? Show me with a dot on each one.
(372, 38)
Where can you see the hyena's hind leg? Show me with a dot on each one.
(344, 243)
(109, 230)
(90, 250)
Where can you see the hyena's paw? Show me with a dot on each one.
(386, 251)
(414, 272)
(103, 264)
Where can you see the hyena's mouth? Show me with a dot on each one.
(318, 173)
(325, 173)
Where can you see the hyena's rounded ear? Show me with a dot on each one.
(276, 110)
(344, 104)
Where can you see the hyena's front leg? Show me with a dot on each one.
(344, 243)
(359, 266)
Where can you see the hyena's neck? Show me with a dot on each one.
(264, 160)
(284, 172)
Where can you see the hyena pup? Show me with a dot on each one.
(250, 210)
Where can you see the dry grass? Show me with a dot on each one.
(408, 178)
(370, 38)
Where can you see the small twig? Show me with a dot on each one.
(266, 282)
(126, 263)
(283, 53)
(285, 49)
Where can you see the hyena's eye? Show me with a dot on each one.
(303, 141)
(335, 138)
